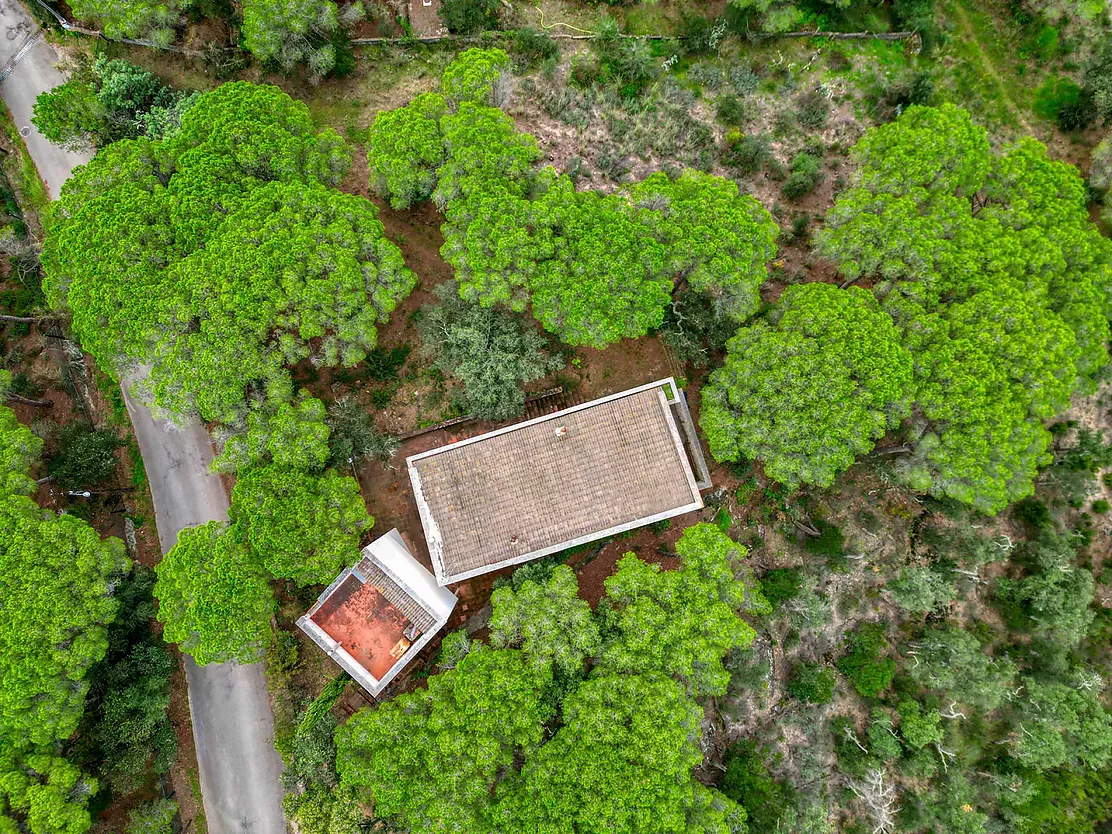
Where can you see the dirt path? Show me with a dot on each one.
(990, 69)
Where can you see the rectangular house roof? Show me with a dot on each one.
(547, 484)
(378, 615)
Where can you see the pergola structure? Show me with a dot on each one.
(547, 484)
(378, 615)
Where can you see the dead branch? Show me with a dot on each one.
(16, 398)
(880, 800)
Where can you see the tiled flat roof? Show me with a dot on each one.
(547, 484)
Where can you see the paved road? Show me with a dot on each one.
(232, 724)
(34, 73)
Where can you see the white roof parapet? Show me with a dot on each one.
(390, 554)
(533, 492)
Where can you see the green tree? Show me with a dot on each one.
(682, 622)
(1059, 725)
(482, 144)
(286, 34)
(292, 434)
(131, 731)
(146, 19)
(919, 728)
(430, 758)
(809, 393)
(86, 457)
(749, 783)
(863, 662)
(57, 579)
(70, 115)
(155, 246)
(620, 763)
(921, 589)
(952, 661)
(405, 148)
(253, 301)
(212, 598)
(718, 241)
(481, 76)
(353, 435)
(812, 683)
(299, 526)
(932, 148)
(998, 282)
(49, 794)
(19, 449)
(155, 817)
(547, 621)
(491, 352)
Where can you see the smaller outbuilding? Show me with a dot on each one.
(377, 616)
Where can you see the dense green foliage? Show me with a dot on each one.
(213, 598)
(59, 586)
(811, 392)
(596, 268)
(299, 526)
(204, 254)
(86, 457)
(107, 101)
(484, 748)
(285, 34)
(148, 19)
(493, 353)
(946, 228)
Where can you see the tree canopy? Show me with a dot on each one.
(811, 391)
(299, 526)
(997, 282)
(213, 598)
(220, 255)
(521, 737)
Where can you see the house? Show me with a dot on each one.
(378, 615)
(564, 479)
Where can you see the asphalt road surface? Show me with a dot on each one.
(34, 72)
(232, 723)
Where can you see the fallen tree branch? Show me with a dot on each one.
(16, 398)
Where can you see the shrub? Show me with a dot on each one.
(829, 542)
(1100, 506)
(731, 110)
(86, 457)
(812, 683)
(1063, 101)
(533, 47)
(806, 174)
(354, 435)
(746, 153)
(862, 663)
(1034, 512)
(466, 17)
(813, 110)
(749, 783)
(781, 584)
(152, 817)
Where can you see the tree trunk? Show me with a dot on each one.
(23, 319)
(47, 480)
(16, 398)
(895, 450)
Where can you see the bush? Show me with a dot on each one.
(354, 435)
(86, 457)
(829, 542)
(1063, 101)
(492, 352)
(695, 328)
(746, 153)
(749, 783)
(1033, 512)
(806, 174)
(812, 683)
(813, 110)
(1100, 506)
(862, 663)
(731, 110)
(781, 584)
(466, 17)
(152, 817)
(533, 47)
